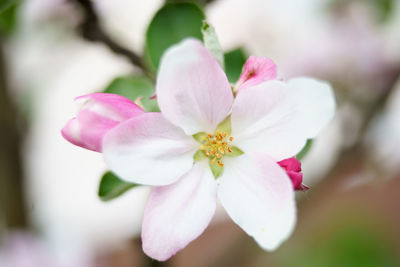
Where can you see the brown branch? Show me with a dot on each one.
(91, 30)
(12, 199)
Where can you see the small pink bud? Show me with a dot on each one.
(99, 114)
(292, 166)
(256, 70)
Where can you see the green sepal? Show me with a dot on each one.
(216, 169)
(225, 126)
(211, 42)
(304, 151)
(198, 136)
(235, 152)
(199, 155)
(111, 186)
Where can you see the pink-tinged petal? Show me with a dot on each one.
(259, 197)
(111, 106)
(193, 91)
(148, 149)
(100, 113)
(178, 213)
(277, 118)
(256, 70)
(262, 121)
(87, 130)
(71, 132)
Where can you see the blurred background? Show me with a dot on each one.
(54, 50)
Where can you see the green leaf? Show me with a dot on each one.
(234, 61)
(5, 4)
(225, 126)
(8, 17)
(211, 42)
(111, 186)
(216, 169)
(383, 8)
(305, 150)
(136, 88)
(199, 155)
(171, 24)
(235, 152)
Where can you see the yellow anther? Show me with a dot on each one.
(215, 146)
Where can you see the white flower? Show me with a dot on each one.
(193, 160)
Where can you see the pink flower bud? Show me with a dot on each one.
(256, 70)
(99, 114)
(292, 166)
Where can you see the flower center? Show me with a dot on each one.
(215, 146)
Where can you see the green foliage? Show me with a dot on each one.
(234, 61)
(136, 88)
(383, 8)
(111, 187)
(305, 150)
(8, 16)
(211, 42)
(5, 4)
(171, 24)
(346, 247)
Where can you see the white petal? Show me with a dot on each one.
(262, 121)
(193, 91)
(178, 213)
(277, 118)
(259, 197)
(148, 149)
(316, 104)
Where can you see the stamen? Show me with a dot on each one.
(215, 146)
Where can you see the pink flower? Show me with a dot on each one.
(206, 146)
(100, 113)
(292, 166)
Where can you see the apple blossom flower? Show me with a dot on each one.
(207, 145)
(99, 114)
